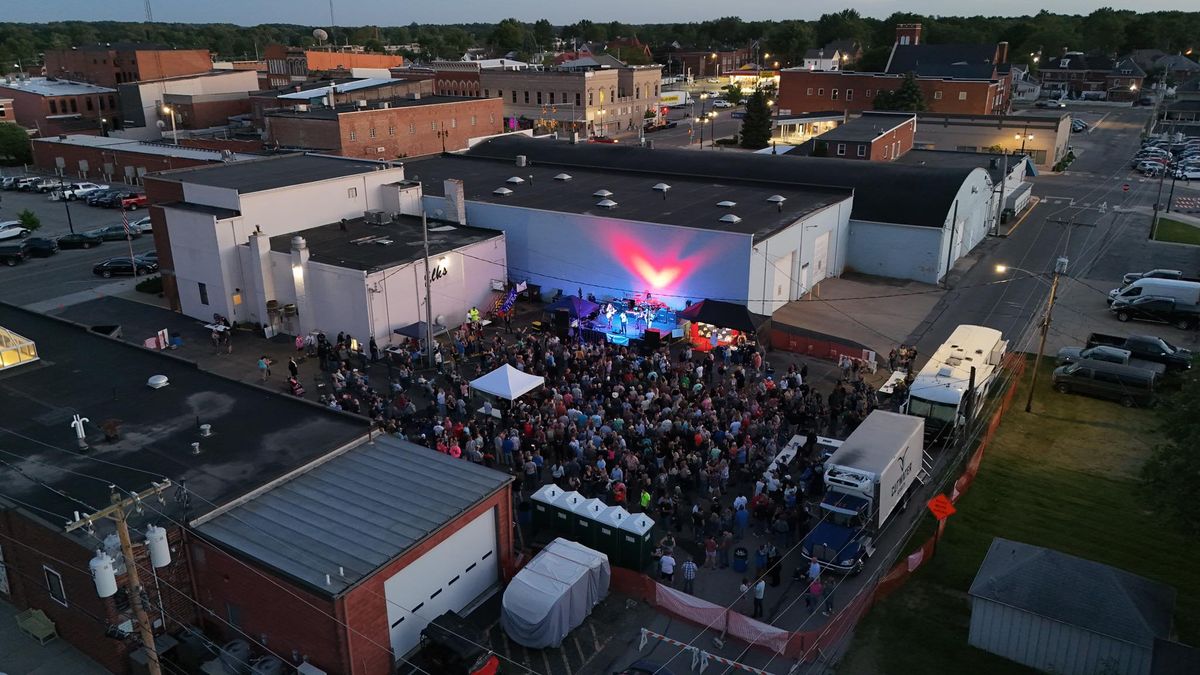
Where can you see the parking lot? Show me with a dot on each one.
(69, 271)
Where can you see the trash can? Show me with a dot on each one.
(586, 525)
(608, 532)
(636, 545)
(543, 507)
(741, 559)
(564, 514)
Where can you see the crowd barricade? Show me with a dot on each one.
(690, 607)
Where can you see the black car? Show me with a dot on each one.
(114, 232)
(13, 254)
(98, 196)
(118, 267)
(1158, 308)
(150, 258)
(40, 247)
(113, 199)
(79, 240)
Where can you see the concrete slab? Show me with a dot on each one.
(22, 655)
(1081, 309)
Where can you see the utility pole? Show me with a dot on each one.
(118, 512)
(1060, 267)
(1162, 176)
(428, 294)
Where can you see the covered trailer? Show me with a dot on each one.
(553, 594)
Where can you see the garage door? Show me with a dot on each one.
(447, 578)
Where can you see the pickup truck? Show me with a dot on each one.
(1148, 348)
(1068, 355)
(81, 190)
(1131, 277)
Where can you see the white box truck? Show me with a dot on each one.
(674, 99)
(867, 480)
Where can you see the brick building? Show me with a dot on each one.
(599, 101)
(292, 65)
(405, 127)
(198, 101)
(53, 106)
(1091, 76)
(704, 63)
(874, 136)
(114, 63)
(7, 113)
(337, 92)
(112, 159)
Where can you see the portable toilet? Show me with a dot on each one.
(564, 513)
(636, 545)
(586, 525)
(608, 532)
(543, 507)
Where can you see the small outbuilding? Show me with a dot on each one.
(1062, 614)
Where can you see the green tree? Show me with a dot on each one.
(908, 97)
(787, 41)
(733, 93)
(14, 144)
(846, 24)
(543, 33)
(1104, 29)
(756, 125)
(29, 220)
(509, 35)
(1171, 473)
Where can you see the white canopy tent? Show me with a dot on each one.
(507, 382)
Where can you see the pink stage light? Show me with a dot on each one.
(663, 265)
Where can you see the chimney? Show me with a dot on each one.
(908, 34)
(456, 208)
(1002, 53)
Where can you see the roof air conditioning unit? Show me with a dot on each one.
(385, 105)
(522, 160)
(361, 103)
(377, 217)
(301, 107)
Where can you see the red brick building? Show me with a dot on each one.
(387, 129)
(291, 65)
(875, 136)
(115, 63)
(112, 159)
(54, 106)
(338, 92)
(1091, 76)
(705, 63)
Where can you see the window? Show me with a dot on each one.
(539, 98)
(100, 100)
(433, 126)
(868, 94)
(486, 94)
(527, 96)
(637, 92)
(962, 95)
(472, 120)
(841, 149)
(551, 98)
(591, 97)
(577, 99)
(862, 150)
(53, 107)
(492, 118)
(54, 585)
(412, 127)
(500, 93)
(352, 192)
(820, 91)
(937, 95)
(885, 152)
(849, 94)
(88, 101)
(453, 122)
(371, 132)
(809, 92)
(353, 135)
(111, 102)
(74, 106)
(514, 95)
(203, 293)
(391, 130)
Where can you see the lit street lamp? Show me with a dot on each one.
(174, 132)
(1023, 137)
(1060, 267)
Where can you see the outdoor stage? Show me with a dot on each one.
(662, 320)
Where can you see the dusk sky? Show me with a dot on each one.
(396, 13)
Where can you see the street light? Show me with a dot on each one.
(1023, 137)
(1060, 267)
(174, 132)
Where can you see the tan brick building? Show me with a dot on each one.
(405, 127)
(599, 102)
(60, 106)
(111, 64)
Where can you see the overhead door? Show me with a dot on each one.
(447, 578)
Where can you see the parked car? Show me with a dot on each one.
(150, 257)
(1052, 103)
(1145, 100)
(132, 202)
(41, 247)
(115, 267)
(722, 103)
(13, 254)
(81, 190)
(1130, 385)
(79, 240)
(94, 198)
(26, 184)
(12, 229)
(9, 182)
(1188, 174)
(47, 184)
(1158, 273)
(113, 199)
(142, 225)
(1159, 309)
(1106, 353)
(1148, 347)
(114, 232)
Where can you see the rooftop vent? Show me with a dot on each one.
(157, 381)
(727, 204)
(606, 203)
(603, 194)
(515, 180)
(502, 191)
(563, 176)
(522, 160)
(730, 218)
(777, 199)
(661, 187)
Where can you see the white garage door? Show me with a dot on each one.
(447, 578)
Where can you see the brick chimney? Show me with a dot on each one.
(1001, 53)
(908, 34)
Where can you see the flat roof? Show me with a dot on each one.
(269, 173)
(992, 162)
(216, 211)
(325, 112)
(49, 86)
(355, 512)
(257, 435)
(868, 127)
(143, 147)
(363, 246)
(340, 88)
(689, 202)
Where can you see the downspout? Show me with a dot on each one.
(950, 248)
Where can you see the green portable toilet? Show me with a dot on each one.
(586, 524)
(564, 513)
(608, 532)
(543, 507)
(636, 545)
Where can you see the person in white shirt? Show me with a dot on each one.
(666, 565)
(760, 591)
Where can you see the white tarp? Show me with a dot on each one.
(553, 594)
(507, 382)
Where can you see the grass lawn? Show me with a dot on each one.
(1064, 477)
(1177, 232)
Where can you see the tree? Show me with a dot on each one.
(908, 97)
(508, 36)
(846, 24)
(756, 125)
(1171, 471)
(1104, 29)
(788, 40)
(29, 220)
(733, 93)
(543, 33)
(14, 145)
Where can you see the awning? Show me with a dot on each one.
(575, 306)
(417, 330)
(507, 382)
(724, 315)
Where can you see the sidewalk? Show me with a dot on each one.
(22, 655)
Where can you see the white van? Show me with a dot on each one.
(1183, 292)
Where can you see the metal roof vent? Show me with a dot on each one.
(515, 180)
(563, 176)
(727, 204)
(157, 381)
(777, 199)
(502, 191)
(603, 194)
(606, 203)
(661, 187)
(731, 219)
